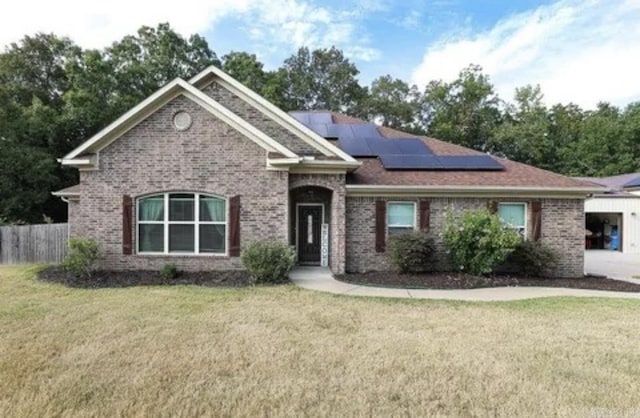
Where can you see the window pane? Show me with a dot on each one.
(212, 209)
(511, 214)
(151, 209)
(399, 230)
(212, 238)
(401, 214)
(151, 238)
(181, 238)
(181, 207)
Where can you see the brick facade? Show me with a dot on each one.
(562, 229)
(259, 120)
(210, 157)
(337, 224)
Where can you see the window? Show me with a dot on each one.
(514, 215)
(401, 217)
(182, 223)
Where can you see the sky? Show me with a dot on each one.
(580, 51)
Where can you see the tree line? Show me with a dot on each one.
(55, 94)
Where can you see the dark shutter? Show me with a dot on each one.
(127, 225)
(234, 226)
(425, 213)
(492, 206)
(536, 220)
(381, 226)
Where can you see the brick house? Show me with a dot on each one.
(201, 168)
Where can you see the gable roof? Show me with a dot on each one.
(81, 156)
(515, 176)
(616, 183)
(267, 108)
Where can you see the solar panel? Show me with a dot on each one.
(320, 117)
(302, 117)
(470, 162)
(412, 146)
(383, 146)
(633, 183)
(356, 147)
(365, 130)
(410, 162)
(320, 128)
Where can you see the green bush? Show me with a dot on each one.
(532, 258)
(169, 271)
(411, 251)
(82, 256)
(477, 241)
(268, 261)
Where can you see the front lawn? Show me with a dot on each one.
(265, 351)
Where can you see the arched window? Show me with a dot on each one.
(182, 223)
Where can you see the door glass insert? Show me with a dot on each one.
(310, 229)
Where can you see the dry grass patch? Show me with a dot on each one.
(265, 351)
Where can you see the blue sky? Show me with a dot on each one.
(577, 50)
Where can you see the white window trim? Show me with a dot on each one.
(196, 224)
(415, 215)
(526, 217)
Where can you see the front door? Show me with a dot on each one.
(309, 240)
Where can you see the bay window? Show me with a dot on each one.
(182, 223)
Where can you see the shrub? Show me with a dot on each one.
(268, 261)
(477, 241)
(169, 271)
(82, 257)
(411, 251)
(533, 257)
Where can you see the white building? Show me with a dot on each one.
(615, 211)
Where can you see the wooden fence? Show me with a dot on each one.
(33, 243)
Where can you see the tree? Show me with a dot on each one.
(143, 63)
(393, 103)
(54, 95)
(604, 149)
(246, 69)
(523, 134)
(464, 111)
(323, 79)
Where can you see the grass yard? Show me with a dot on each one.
(282, 351)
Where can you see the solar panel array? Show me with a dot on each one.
(363, 140)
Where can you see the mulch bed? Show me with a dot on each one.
(102, 279)
(467, 281)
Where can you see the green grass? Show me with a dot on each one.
(284, 351)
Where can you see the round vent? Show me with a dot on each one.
(182, 121)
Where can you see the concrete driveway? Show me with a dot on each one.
(612, 264)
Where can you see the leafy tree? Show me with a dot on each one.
(603, 148)
(523, 134)
(143, 63)
(26, 179)
(464, 111)
(245, 68)
(393, 103)
(322, 79)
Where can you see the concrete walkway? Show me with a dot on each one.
(612, 264)
(321, 279)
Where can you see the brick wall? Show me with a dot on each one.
(259, 120)
(337, 225)
(210, 157)
(562, 229)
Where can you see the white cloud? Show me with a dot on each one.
(579, 51)
(95, 24)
